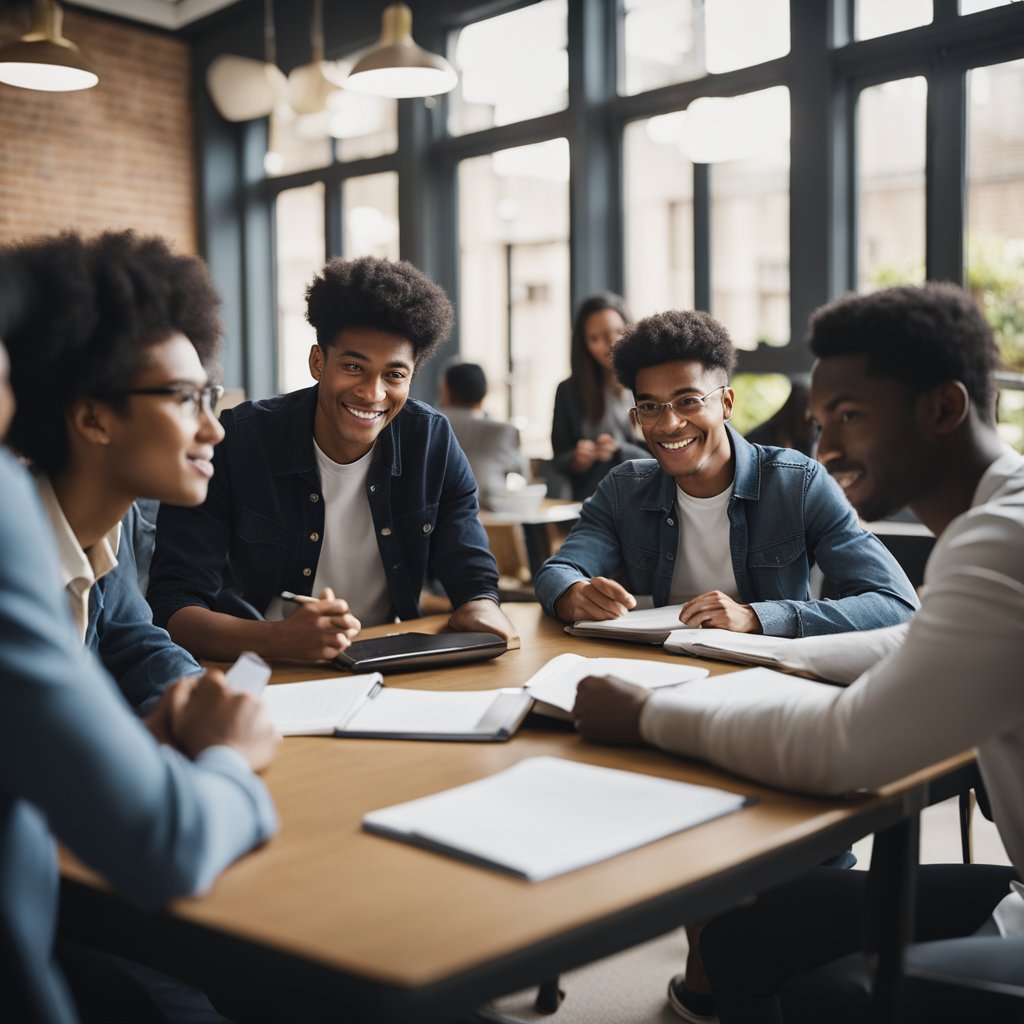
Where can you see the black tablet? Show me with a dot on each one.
(403, 652)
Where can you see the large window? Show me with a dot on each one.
(514, 280)
(300, 256)
(891, 187)
(883, 17)
(995, 223)
(511, 68)
(659, 216)
(668, 41)
(370, 211)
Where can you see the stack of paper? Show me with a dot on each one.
(554, 686)
(725, 645)
(545, 816)
(643, 626)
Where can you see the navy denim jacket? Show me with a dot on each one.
(260, 530)
(785, 514)
(141, 657)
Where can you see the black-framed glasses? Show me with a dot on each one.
(684, 406)
(194, 400)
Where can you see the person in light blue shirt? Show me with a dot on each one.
(157, 821)
(108, 362)
(727, 529)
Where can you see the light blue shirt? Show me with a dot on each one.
(77, 765)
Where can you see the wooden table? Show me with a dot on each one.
(332, 918)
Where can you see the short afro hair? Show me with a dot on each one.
(920, 336)
(671, 336)
(384, 295)
(467, 383)
(90, 311)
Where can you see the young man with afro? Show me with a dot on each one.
(725, 528)
(109, 369)
(347, 488)
(904, 392)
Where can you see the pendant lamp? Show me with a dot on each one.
(308, 88)
(43, 59)
(396, 66)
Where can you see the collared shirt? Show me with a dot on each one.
(953, 683)
(785, 515)
(260, 530)
(75, 765)
(108, 609)
(79, 569)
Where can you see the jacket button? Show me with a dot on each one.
(314, 497)
(373, 488)
(670, 522)
(307, 572)
(427, 527)
(670, 557)
(314, 536)
(395, 566)
(385, 531)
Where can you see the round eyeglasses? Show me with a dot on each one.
(684, 407)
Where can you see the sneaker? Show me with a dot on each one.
(695, 1007)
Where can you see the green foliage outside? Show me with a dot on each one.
(758, 397)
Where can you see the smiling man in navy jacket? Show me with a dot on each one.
(347, 488)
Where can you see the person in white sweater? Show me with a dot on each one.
(903, 392)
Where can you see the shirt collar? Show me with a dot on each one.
(75, 563)
(1005, 466)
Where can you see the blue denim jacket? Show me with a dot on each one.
(785, 514)
(260, 530)
(120, 632)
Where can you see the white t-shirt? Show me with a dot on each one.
(349, 557)
(703, 561)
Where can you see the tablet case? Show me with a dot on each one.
(404, 652)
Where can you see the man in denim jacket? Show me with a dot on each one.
(727, 529)
(347, 488)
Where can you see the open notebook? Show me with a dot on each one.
(361, 706)
(545, 816)
(554, 686)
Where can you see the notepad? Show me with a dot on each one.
(360, 706)
(545, 816)
(554, 686)
(744, 648)
(642, 626)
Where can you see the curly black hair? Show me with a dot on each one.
(678, 334)
(385, 295)
(91, 309)
(467, 383)
(917, 335)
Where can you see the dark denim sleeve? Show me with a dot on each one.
(591, 549)
(459, 555)
(873, 590)
(190, 558)
(141, 657)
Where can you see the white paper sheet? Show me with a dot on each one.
(423, 711)
(249, 674)
(316, 707)
(650, 625)
(545, 816)
(556, 682)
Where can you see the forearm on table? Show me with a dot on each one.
(215, 636)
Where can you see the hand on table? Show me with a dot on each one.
(595, 600)
(607, 710)
(484, 616)
(716, 610)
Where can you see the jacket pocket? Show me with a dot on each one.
(640, 564)
(419, 524)
(264, 541)
(776, 555)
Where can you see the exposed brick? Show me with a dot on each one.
(119, 155)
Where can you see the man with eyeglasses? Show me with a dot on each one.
(114, 403)
(727, 529)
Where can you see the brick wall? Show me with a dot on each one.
(118, 155)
